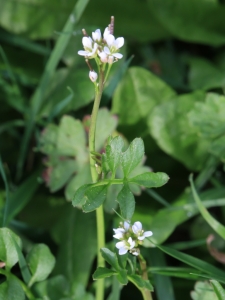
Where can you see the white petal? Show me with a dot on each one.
(119, 230)
(122, 251)
(110, 40)
(106, 33)
(148, 233)
(87, 42)
(83, 53)
(119, 42)
(126, 225)
(141, 238)
(118, 55)
(118, 235)
(120, 245)
(106, 50)
(131, 242)
(135, 253)
(138, 225)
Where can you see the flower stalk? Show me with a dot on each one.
(105, 51)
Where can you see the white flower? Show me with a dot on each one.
(97, 37)
(113, 45)
(90, 47)
(139, 232)
(124, 246)
(120, 232)
(93, 76)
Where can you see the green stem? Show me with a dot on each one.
(94, 174)
(145, 292)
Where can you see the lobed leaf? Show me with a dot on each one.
(140, 283)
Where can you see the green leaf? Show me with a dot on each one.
(140, 283)
(105, 126)
(79, 195)
(103, 273)
(126, 202)
(219, 228)
(57, 90)
(206, 16)
(95, 197)
(61, 173)
(162, 284)
(111, 258)
(41, 263)
(75, 234)
(150, 179)
(204, 75)
(195, 262)
(8, 251)
(170, 126)
(122, 277)
(218, 289)
(113, 153)
(19, 199)
(203, 291)
(11, 289)
(71, 139)
(132, 156)
(209, 117)
(138, 93)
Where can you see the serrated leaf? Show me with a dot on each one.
(79, 195)
(95, 195)
(218, 289)
(150, 179)
(141, 283)
(41, 263)
(132, 156)
(126, 202)
(114, 152)
(11, 289)
(8, 251)
(103, 273)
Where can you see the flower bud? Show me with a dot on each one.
(93, 76)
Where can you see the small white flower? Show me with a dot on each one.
(139, 232)
(90, 48)
(120, 232)
(97, 37)
(93, 76)
(124, 246)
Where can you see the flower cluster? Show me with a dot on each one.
(106, 47)
(130, 237)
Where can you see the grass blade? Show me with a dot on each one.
(218, 289)
(37, 98)
(196, 263)
(219, 228)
